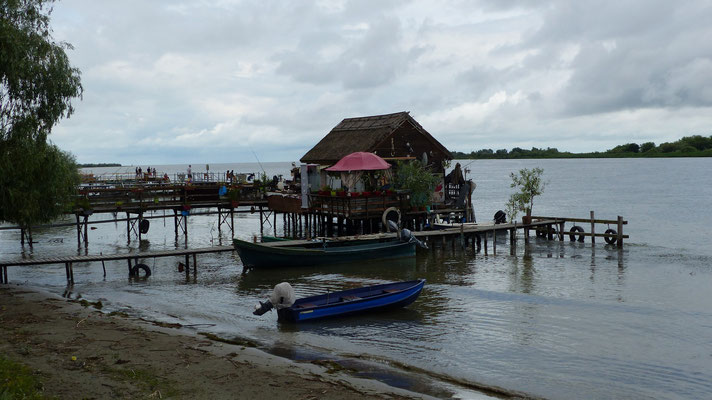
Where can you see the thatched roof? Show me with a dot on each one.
(364, 134)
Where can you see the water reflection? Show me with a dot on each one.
(332, 277)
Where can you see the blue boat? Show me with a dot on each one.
(346, 302)
(260, 255)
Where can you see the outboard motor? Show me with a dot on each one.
(282, 297)
(500, 217)
(407, 236)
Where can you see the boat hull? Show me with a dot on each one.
(353, 301)
(255, 255)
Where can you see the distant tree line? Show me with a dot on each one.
(688, 146)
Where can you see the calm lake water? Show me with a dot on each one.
(559, 320)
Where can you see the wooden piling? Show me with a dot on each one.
(593, 229)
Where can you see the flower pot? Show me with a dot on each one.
(366, 194)
(527, 219)
(234, 203)
(341, 194)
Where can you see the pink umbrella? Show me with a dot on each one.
(359, 161)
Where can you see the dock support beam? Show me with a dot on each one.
(82, 230)
(223, 215)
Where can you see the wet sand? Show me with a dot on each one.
(77, 351)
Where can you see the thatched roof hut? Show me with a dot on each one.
(391, 136)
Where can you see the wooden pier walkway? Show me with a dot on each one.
(551, 228)
(129, 257)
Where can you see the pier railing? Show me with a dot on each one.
(612, 235)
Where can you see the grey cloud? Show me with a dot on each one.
(374, 58)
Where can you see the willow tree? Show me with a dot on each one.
(37, 85)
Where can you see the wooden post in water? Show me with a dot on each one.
(619, 242)
(79, 232)
(561, 231)
(485, 235)
(128, 226)
(232, 221)
(462, 235)
(187, 267)
(593, 229)
(494, 241)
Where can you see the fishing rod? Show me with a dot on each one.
(258, 162)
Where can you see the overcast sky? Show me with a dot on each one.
(168, 82)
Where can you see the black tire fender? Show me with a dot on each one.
(135, 270)
(388, 215)
(572, 233)
(144, 225)
(610, 239)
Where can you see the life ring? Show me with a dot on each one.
(572, 233)
(144, 225)
(540, 232)
(136, 269)
(610, 239)
(500, 217)
(388, 215)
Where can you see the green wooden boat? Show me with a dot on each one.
(258, 255)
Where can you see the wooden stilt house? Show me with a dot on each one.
(395, 136)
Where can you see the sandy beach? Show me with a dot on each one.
(77, 351)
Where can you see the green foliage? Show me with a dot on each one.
(646, 147)
(530, 184)
(416, 178)
(689, 146)
(38, 182)
(37, 81)
(234, 193)
(18, 382)
(37, 84)
(625, 148)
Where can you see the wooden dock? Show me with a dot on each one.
(69, 261)
(476, 235)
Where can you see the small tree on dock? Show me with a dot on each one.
(530, 184)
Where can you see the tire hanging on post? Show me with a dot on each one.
(144, 225)
(610, 239)
(572, 233)
(135, 270)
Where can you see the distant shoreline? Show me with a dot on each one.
(96, 165)
(462, 156)
(688, 146)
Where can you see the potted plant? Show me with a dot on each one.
(530, 184)
(233, 194)
(417, 180)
